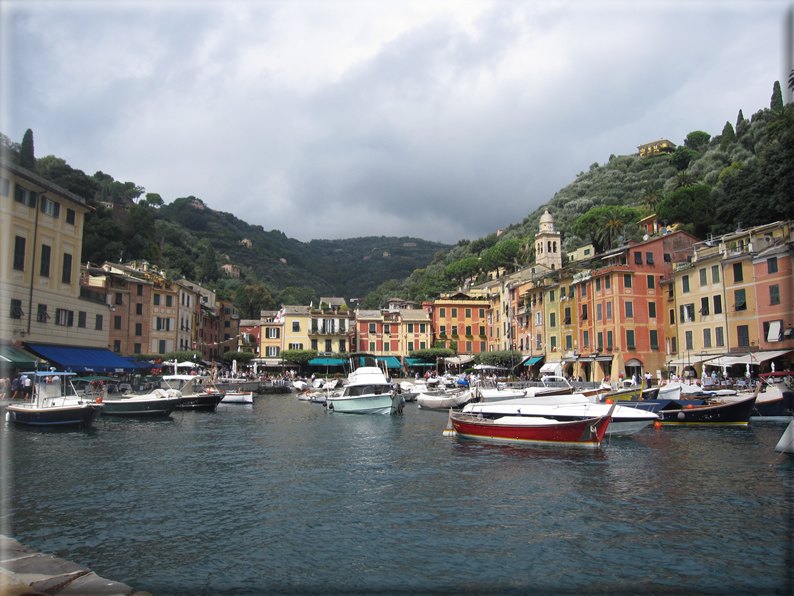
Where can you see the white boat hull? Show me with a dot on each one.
(786, 443)
(238, 398)
(384, 404)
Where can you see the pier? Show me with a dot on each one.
(24, 571)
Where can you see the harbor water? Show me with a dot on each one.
(283, 496)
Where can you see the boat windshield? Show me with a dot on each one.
(356, 390)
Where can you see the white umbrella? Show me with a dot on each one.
(748, 370)
(234, 366)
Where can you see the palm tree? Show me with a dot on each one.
(611, 228)
(652, 197)
(684, 180)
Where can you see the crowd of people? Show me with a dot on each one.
(21, 387)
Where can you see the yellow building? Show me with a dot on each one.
(41, 228)
(297, 323)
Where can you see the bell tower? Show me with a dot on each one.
(548, 249)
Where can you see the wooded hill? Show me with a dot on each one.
(709, 184)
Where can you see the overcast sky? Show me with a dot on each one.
(338, 119)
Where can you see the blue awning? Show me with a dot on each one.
(327, 362)
(531, 360)
(84, 359)
(142, 364)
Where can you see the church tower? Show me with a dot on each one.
(548, 249)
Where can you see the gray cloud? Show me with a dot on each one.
(336, 120)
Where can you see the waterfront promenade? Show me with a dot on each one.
(24, 571)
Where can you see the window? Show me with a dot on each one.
(630, 339)
(651, 282)
(673, 344)
(637, 258)
(654, 336)
(651, 310)
(743, 336)
(586, 339)
(139, 329)
(609, 310)
(468, 346)
(19, 253)
(272, 351)
(551, 295)
(169, 301)
(715, 274)
(296, 326)
(552, 320)
(372, 328)
(739, 300)
(738, 275)
(67, 268)
(70, 216)
(668, 258)
(98, 323)
(629, 310)
(774, 294)
(136, 348)
(272, 333)
(482, 313)
(410, 327)
(704, 306)
(25, 196)
(649, 258)
(672, 316)
(442, 313)
(82, 319)
(569, 342)
(685, 284)
(140, 290)
(719, 337)
(454, 313)
(156, 299)
(600, 338)
(46, 255)
(599, 313)
(584, 312)
(139, 309)
(584, 290)
(5, 187)
(718, 305)
(454, 330)
(161, 347)
(41, 315)
(468, 329)
(626, 280)
(688, 339)
(314, 344)
(567, 319)
(342, 345)
(227, 324)
(468, 313)
(609, 340)
(773, 331)
(117, 322)
(50, 208)
(607, 282)
(707, 338)
(687, 313)
(771, 265)
(598, 284)
(16, 309)
(703, 277)
(442, 330)
(119, 298)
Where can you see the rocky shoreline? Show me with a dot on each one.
(23, 571)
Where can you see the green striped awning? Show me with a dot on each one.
(13, 357)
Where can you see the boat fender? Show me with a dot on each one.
(99, 399)
(209, 391)
(330, 406)
(681, 415)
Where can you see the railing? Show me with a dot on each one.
(92, 295)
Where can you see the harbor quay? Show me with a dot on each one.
(26, 572)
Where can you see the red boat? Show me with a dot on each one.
(534, 430)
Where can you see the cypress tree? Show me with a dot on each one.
(728, 136)
(777, 98)
(739, 119)
(27, 158)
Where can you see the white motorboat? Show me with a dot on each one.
(367, 391)
(492, 391)
(446, 400)
(54, 402)
(238, 397)
(197, 392)
(575, 406)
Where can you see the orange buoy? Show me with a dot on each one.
(609, 401)
(657, 424)
(99, 399)
(689, 406)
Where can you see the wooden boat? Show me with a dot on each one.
(586, 433)
(713, 413)
(625, 421)
(776, 399)
(54, 403)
